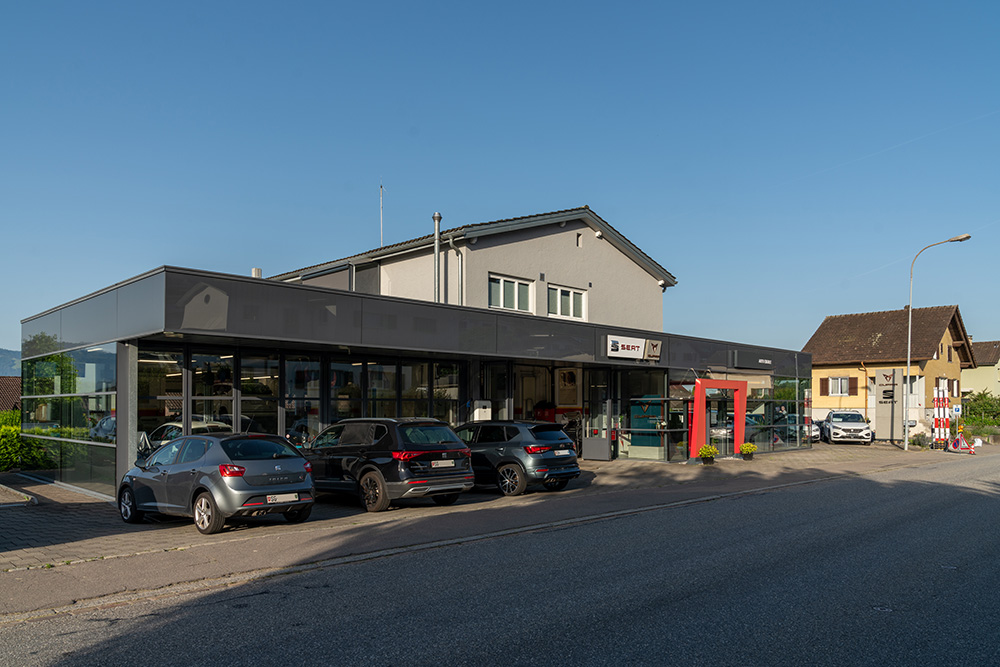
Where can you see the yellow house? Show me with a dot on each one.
(849, 351)
(986, 374)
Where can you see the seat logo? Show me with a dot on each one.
(277, 468)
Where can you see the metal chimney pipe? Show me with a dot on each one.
(437, 257)
(256, 273)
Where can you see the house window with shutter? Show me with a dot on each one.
(846, 386)
(949, 354)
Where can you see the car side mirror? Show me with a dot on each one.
(140, 462)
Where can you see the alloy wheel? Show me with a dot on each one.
(202, 512)
(126, 505)
(509, 479)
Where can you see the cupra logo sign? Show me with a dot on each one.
(887, 377)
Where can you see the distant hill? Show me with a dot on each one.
(10, 362)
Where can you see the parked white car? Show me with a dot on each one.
(846, 426)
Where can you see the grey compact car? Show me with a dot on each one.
(516, 453)
(215, 477)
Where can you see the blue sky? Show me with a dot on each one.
(785, 160)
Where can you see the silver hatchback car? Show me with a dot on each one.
(215, 477)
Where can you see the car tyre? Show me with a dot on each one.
(511, 479)
(555, 484)
(207, 517)
(299, 515)
(446, 498)
(127, 507)
(374, 497)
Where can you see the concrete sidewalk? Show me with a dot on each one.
(72, 546)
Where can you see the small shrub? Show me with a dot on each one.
(921, 440)
(708, 451)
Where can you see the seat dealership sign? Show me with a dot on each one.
(625, 347)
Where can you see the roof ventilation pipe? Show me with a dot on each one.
(437, 257)
(451, 242)
(256, 273)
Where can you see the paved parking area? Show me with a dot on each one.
(66, 526)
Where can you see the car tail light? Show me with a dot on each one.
(465, 452)
(405, 456)
(536, 449)
(308, 466)
(230, 470)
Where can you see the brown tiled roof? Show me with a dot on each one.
(10, 392)
(987, 352)
(881, 337)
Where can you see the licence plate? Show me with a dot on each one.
(443, 463)
(563, 452)
(283, 498)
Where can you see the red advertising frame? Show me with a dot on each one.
(699, 424)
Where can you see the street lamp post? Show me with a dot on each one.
(909, 338)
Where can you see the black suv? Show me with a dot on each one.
(514, 454)
(386, 459)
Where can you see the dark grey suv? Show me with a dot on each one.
(385, 459)
(514, 454)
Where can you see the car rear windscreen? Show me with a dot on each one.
(553, 433)
(428, 436)
(256, 449)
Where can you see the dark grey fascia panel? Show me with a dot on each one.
(129, 309)
(412, 325)
(227, 306)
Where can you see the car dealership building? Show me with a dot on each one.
(554, 317)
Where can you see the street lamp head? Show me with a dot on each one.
(959, 239)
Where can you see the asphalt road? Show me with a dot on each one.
(892, 568)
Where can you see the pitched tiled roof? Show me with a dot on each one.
(881, 337)
(583, 211)
(10, 392)
(987, 352)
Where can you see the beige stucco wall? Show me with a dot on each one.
(983, 378)
(619, 291)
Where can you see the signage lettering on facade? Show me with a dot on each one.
(625, 347)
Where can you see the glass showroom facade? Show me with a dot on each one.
(177, 351)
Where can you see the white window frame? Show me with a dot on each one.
(518, 306)
(843, 386)
(574, 306)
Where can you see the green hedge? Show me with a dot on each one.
(18, 452)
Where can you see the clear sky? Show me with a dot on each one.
(785, 160)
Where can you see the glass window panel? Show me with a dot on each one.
(160, 373)
(215, 414)
(259, 376)
(553, 301)
(577, 304)
(564, 302)
(301, 421)
(88, 466)
(155, 412)
(523, 296)
(508, 294)
(96, 368)
(302, 376)
(382, 390)
(345, 390)
(259, 415)
(212, 374)
(495, 292)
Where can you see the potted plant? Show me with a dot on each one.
(747, 449)
(707, 454)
